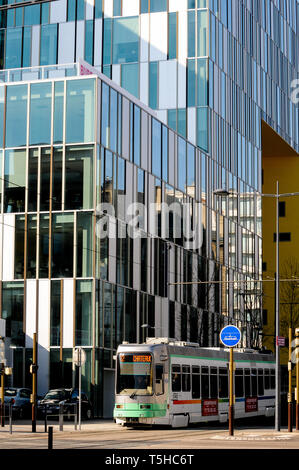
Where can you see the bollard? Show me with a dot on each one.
(75, 417)
(60, 417)
(46, 419)
(10, 418)
(50, 438)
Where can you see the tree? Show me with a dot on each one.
(289, 296)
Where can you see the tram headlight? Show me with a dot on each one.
(119, 406)
(145, 407)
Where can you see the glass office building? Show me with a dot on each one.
(210, 74)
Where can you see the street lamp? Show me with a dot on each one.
(277, 196)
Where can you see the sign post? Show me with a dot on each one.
(230, 336)
(79, 359)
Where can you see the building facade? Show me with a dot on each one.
(215, 74)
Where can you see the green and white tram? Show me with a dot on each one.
(166, 382)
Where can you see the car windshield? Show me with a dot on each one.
(10, 393)
(55, 395)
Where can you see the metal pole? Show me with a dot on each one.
(297, 378)
(34, 381)
(80, 391)
(46, 419)
(60, 417)
(290, 404)
(231, 392)
(10, 418)
(277, 362)
(50, 438)
(2, 397)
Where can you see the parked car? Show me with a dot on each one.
(20, 399)
(68, 397)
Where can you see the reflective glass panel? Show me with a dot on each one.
(32, 179)
(14, 180)
(16, 116)
(156, 148)
(83, 328)
(130, 78)
(58, 112)
(80, 111)
(79, 177)
(13, 49)
(48, 44)
(12, 311)
(62, 245)
(125, 40)
(40, 113)
(84, 244)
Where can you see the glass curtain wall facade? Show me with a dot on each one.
(231, 64)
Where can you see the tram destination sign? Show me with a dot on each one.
(230, 336)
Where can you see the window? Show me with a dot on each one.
(83, 331)
(282, 209)
(265, 317)
(264, 266)
(12, 311)
(156, 148)
(13, 50)
(62, 245)
(14, 180)
(153, 85)
(205, 392)
(223, 383)
(176, 378)
(195, 382)
(172, 36)
(158, 5)
(16, 116)
(213, 382)
(239, 384)
(247, 383)
(80, 111)
(283, 237)
(186, 379)
(267, 379)
(40, 113)
(130, 78)
(125, 40)
(78, 178)
(260, 382)
(272, 379)
(48, 44)
(159, 386)
(253, 382)
(55, 313)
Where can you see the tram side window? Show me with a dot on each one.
(260, 382)
(213, 382)
(272, 379)
(195, 382)
(186, 379)
(247, 383)
(240, 383)
(176, 379)
(223, 383)
(159, 379)
(205, 393)
(253, 383)
(267, 379)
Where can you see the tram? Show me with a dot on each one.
(176, 383)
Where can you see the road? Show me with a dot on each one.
(107, 435)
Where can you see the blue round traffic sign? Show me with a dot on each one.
(230, 336)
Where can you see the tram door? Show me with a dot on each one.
(109, 396)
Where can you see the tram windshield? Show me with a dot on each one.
(134, 374)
